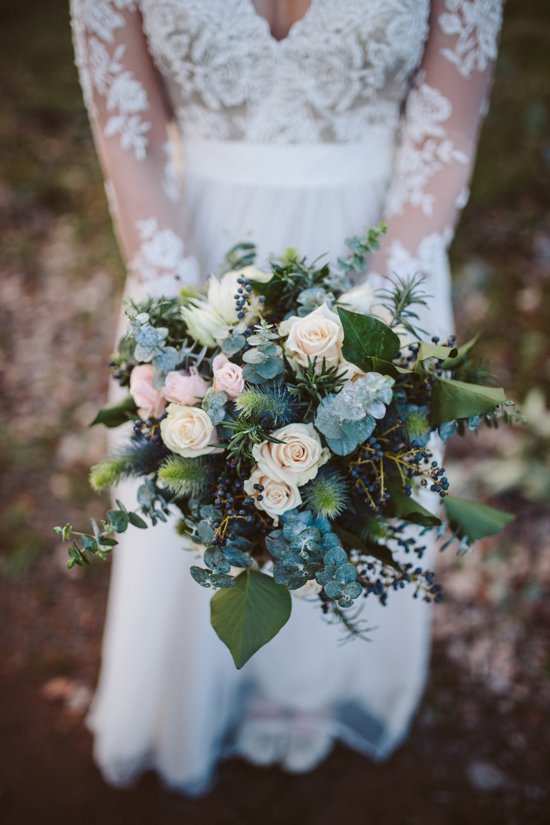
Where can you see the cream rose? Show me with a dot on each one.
(297, 459)
(188, 431)
(182, 388)
(149, 400)
(274, 497)
(228, 377)
(319, 336)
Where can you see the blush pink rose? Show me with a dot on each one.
(228, 377)
(182, 388)
(149, 400)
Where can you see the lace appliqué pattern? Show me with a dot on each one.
(426, 150)
(101, 66)
(475, 24)
(160, 263)
(232, 80)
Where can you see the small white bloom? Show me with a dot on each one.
(188, 431)
(203, 323)
(297, 459)
(276, 498)
(221, 293)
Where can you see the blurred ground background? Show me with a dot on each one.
(481, 743)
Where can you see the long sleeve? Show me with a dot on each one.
(436, 149)
(130, 123)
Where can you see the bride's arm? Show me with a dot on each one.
(130, 120)
(438, 141)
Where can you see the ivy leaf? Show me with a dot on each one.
(473, 520)
(248, 615)
(429, 350)
(461, 355)
(456, 399)
(366, 337)
(113, 415)
(370, 548)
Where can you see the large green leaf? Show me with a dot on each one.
(369, 548)
(474, 520)
(248, 615)
(113, 415)
(456, 399)
(366, 337)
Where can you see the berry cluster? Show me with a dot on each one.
(148, 430)
(242, 297)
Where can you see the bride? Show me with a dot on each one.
(296, 124)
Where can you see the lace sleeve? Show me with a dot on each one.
(130, 123)
(437, 142)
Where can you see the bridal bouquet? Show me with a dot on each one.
(294, 437)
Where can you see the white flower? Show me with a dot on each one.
(276, 497)
(222, 291)
(296, 460)
(188, 431)
(203, 323)
(319, 336)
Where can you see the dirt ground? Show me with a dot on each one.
(480, 746)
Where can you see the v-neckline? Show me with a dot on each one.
(262, 19)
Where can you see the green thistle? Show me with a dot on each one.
(139, 458)
(186, 477)
(327, 494)
(271, 406)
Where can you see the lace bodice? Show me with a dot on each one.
(421, 69)
(340, 68)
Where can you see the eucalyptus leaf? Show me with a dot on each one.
(473, 520)
(248, 615)
(118, 520)
(366, 337)
(113, 415)
(456, 399)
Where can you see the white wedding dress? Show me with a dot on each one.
(367, 109)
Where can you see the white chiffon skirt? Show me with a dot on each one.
(169, 697)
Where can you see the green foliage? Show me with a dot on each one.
(113, 415)
(264, 359)
(250, 614)
(349, 418)
(456, 399)
(399, 298)
(365, 338)
(186, 477)
(241, 255)
(327, 494)
(405, 507)
(472, 520)
(360, 248)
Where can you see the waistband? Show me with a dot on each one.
(290, 165)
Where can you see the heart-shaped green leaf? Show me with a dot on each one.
(113, 415)
(250, 614)
(474, 520)
(456, 399)
(366, 337)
